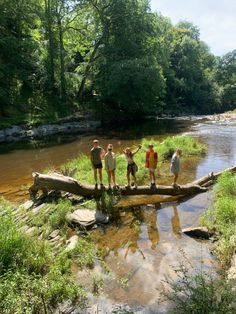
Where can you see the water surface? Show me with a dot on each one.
(145, 244)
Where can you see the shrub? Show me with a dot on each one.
(199, 294)
(221, 216)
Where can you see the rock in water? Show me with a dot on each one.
(197, 232)
(87, 217)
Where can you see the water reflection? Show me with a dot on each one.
(150, 219)
(145, 248)
(175, 222)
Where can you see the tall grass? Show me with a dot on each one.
(221, 216)
(32, 279)
(199, 294)
(58, 218)
(188, 145)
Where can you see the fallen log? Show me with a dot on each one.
(55, 181)
(211, 177)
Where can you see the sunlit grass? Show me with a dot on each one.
(32, 278)
(221, 216)
(165, 149)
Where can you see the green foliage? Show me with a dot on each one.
(84, 253)
(221, 216)
(165, 150)
(226, 78)
(58, 218)
(199, 294)
(97, 283)
(32, 279)
(114, 57)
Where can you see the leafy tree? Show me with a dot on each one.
(129, 79)
(190, 85)
(17, 50)
(226, 78)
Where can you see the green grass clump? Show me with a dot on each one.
(58, 218)
(165, 150)
(221, 216)
(32, 279)
(201, 294)
(84, 253)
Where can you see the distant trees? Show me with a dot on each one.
(226, 78)
(128, 78)
(115, 57)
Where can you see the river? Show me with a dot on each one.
(145, 245)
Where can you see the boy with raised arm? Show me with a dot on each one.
(132, 168)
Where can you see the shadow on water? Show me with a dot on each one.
(147, 128)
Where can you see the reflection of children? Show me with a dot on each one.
(96, 155)
(131, 166)
(175, 222)
(151, 164)
(153, 234)
(175, 165)
(110, 165)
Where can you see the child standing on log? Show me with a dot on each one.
(175, 165)
(110, 166)
(132, 168)
(151, 164)
(96, 156)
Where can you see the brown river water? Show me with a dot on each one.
(143, 248)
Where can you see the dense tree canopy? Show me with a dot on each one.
(113, 57)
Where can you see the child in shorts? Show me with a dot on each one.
(151, 164)
(175, 165)
(131, 165)
(110, 166)
(96, 156)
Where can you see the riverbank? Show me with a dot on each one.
(82, 123)
(220, 218)
(67, 125)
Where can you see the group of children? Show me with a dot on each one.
(97, 153)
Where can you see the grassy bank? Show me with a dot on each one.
(199, 294)
(32, 278)
(221, 217)
(165, 150)
(202, 293)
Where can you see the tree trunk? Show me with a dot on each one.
(87, 68)
(59, 182)
(51, 56)
(62, 60)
